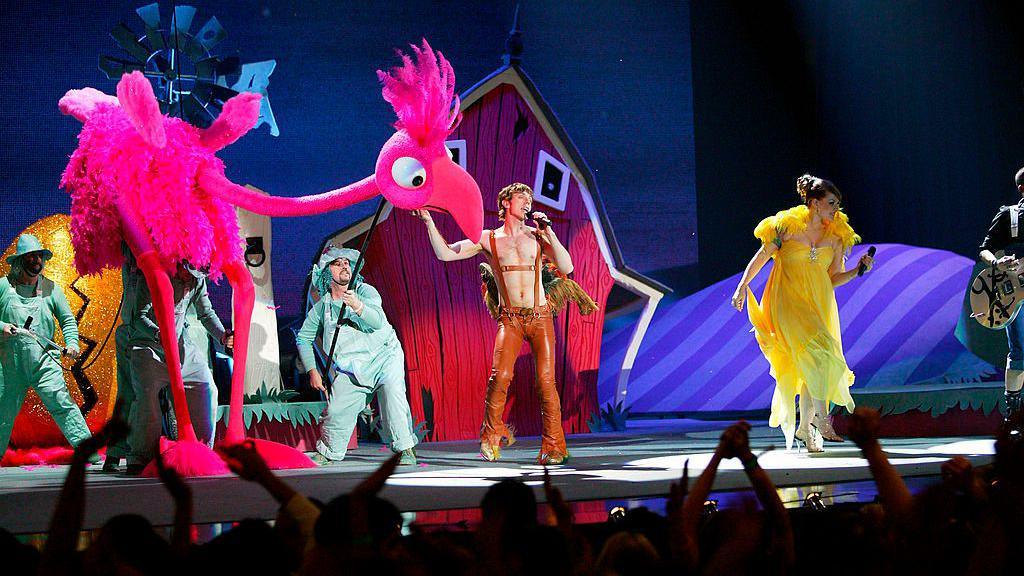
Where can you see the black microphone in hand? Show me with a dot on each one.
(542, 221)
(863, 268)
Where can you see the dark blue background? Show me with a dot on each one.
(617, 75)
(913, 108)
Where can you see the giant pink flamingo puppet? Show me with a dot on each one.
(155, 182)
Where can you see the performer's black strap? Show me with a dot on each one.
(351, 286)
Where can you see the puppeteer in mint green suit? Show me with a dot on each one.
(24, 362)
(368, 360)
(147, 368)
(138, 326)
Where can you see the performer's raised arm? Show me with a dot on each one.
(444, 251)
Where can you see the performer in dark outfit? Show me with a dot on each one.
(1006, 236)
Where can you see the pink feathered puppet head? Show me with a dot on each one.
(414, 168)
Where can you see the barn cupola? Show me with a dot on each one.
(514, 43)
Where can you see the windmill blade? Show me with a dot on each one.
(211, 34)
(114, 68)
(155, 39)
(198, 113)
(194, 50)
(182, 19)
(150, 14)
(179, 39)
(229, 66)
(206, 69)
(220, 93)
(126, 39)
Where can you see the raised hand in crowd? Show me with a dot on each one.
(959, 476)
(181, 493)
(683, 549)
(864, 426)
(59, 552)
(244, 460)
(560, 515)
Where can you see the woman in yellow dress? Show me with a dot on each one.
(797, 321)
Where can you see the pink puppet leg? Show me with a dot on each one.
(159, 284)
(188, 456)
(277, 456)
(162, 294)
(244, 297)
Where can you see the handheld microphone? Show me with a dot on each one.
(542, 223)
(862, 268)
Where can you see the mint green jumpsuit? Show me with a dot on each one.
(24, 363)
(370, 361)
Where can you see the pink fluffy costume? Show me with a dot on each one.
(155, 182)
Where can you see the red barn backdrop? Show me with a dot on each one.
(508, 134)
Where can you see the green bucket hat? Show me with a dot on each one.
(321, 270)
(27, 243)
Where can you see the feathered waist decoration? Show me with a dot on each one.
(559, 290)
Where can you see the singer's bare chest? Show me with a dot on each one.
(521, 249)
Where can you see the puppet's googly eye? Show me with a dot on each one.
(408, 173)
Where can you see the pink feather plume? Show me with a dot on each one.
(422, 94)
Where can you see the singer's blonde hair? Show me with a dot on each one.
(506, 195)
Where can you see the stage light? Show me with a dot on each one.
(710, 508)
(616, 514)
(814, 502)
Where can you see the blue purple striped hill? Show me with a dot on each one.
(898, 322)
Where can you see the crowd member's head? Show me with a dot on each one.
(1009, 462)
(17, 558)
(511, 503)
(436, 554)
(128, 544)
(626, 554)
(535, 551)
(250, 547)
(334, 526)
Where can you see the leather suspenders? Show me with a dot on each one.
(499, 271)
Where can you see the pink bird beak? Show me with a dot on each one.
(457, 194)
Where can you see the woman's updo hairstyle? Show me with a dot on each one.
(814, 188)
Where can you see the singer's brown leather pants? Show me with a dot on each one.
(537, 327)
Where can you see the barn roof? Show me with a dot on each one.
(514, 75)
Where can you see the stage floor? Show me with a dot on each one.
(636, 464)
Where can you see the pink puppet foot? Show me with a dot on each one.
(279, 456)
(190, 458)
(36, 456)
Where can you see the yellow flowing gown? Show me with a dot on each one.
(797, 321)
